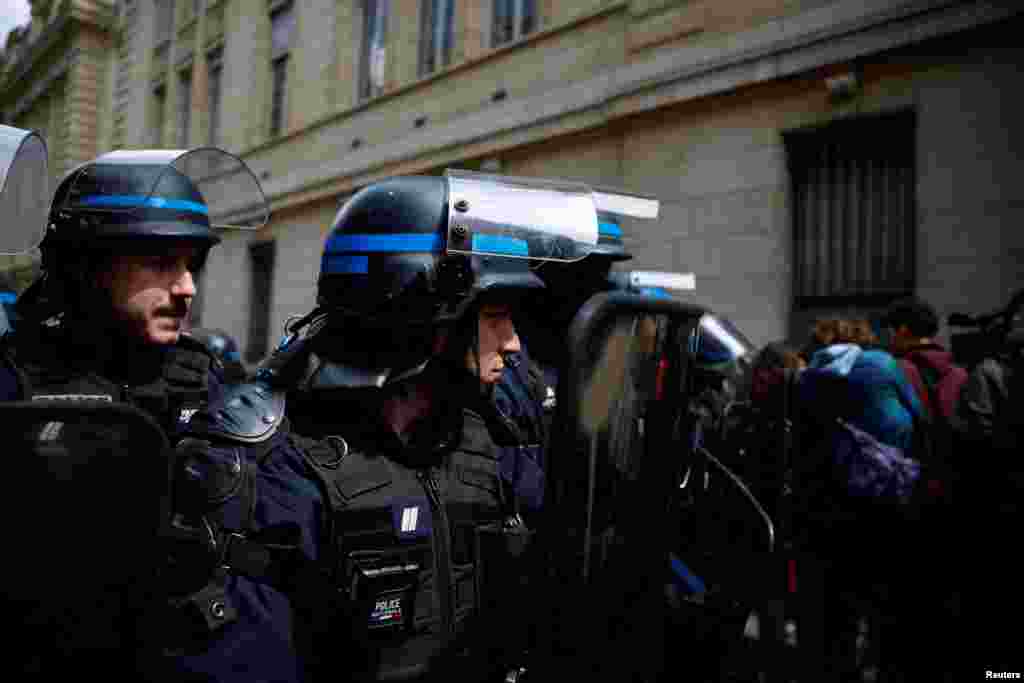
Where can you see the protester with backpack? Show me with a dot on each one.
(913, 324)
(853, 478)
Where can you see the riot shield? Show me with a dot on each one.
(89, 488)
(622, 446)
(24, 190)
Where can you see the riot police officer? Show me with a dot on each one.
(126, 234)
(526, 394)
(406, 548)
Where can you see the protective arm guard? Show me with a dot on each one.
(247, 413)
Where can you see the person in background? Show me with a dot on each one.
(874, 394)
(851, 378)
(912, 325)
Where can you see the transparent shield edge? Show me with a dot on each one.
(16, 152)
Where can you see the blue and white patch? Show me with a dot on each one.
(549, 399)
(186, 414)
(387, 611)
(411, 519)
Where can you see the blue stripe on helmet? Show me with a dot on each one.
(654, 292)
(609, 229)
(344, 264)
(395, 243)
(500, 244)
(140, 202)
(8, 297)
(686, 577)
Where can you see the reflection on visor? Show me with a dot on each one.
(719, 341)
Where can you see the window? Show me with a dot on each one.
(282, 27)
(215, 72)
(184, 106)
(279, 74)
(436, 35)
(261, 255)
(157, 127)
(373, 58)
(853, 211)
(511, 20)
(164, 20)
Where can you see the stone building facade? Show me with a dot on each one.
(810, 154)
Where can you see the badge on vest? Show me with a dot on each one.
(549, 399)
(411, 519)
(74, 397)
(387, 611)
(186, 414)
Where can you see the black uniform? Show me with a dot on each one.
(170, 383)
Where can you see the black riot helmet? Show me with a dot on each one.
(410, 254)
(159, 195)
(143, 201)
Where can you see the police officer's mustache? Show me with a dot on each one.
(177, 309)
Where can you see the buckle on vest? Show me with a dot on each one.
(242, 555)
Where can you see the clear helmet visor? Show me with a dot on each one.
(541, 219)
(206, 181)
(24, 190)
(532, 218)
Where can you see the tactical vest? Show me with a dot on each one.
(421, 569)
(429, 560)
(179, 390)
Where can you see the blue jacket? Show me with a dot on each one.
(877, 397)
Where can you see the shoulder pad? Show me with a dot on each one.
(247, 413)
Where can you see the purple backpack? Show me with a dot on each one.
(872, 469)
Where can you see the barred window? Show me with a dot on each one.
(436, 35)
(853, 207)
(511, 20)
(373, 59)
